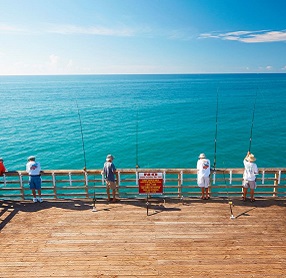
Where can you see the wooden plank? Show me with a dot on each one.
(198, 239)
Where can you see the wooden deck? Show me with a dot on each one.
(191, 239)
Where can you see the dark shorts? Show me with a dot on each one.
(35, 182)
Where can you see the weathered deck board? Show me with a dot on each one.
(195, 239)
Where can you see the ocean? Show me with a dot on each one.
(157, 121)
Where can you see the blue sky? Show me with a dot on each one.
(142, 36)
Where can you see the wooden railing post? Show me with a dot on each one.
(21, 186)
(180, 182)
(275, 185)
(86, 184)
(54, 185)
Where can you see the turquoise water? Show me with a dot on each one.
(161, 121)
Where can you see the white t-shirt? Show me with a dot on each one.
(250, 170)
(33, 168)
(203, 167)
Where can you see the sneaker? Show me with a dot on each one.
(35, 200)
(40, 200)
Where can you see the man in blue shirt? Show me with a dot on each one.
(109, 172)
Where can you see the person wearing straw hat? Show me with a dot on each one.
(33, 168)
(109, 172)
(249, 176)
(2, 167)
(203, 175)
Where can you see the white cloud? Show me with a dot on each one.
(284, 68)
(63, 29)
(70, 64)
(269, 68)
(53, 60)
(6, 28)
(93, 30)
(261, 36)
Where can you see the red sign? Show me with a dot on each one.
(150, 183)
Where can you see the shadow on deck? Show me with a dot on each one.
(193, 238)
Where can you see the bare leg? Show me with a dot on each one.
(207, 193)
(203, 193)
(113, 195)
(40, 193)
(108, 193)
(34, 193)
(252, 194)
(244, 193)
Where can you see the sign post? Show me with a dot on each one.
(150, 183)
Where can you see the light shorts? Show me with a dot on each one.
(249, 184)
(111, 185)
(204, 182)
(35, 182)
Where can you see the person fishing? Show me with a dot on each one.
(33, 168)
(249, 176)
(109, 172)
(2, 167)
(203, 175)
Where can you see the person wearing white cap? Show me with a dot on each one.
(109, 172)
(33, 168)
(249, 176)
(203, 175)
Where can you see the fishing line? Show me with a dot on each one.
(82, 139)
(137, 165)
(250, 138)
(216, 123)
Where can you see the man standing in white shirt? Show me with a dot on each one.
(203, 175)
(33, 168)
(249, 176)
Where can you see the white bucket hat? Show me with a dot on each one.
(32, 157)
(202, 155)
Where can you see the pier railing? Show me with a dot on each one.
(178, 183)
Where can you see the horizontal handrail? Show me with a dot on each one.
(178, 183)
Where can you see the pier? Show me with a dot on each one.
(181, 237)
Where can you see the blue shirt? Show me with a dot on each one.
(109, 171)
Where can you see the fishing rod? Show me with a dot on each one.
(82, 140)
(216, 123)
(137, 165)
(252, 122)
(215, 150)
(84, 156)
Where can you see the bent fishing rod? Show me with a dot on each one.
(82, 139)
(252, 122)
